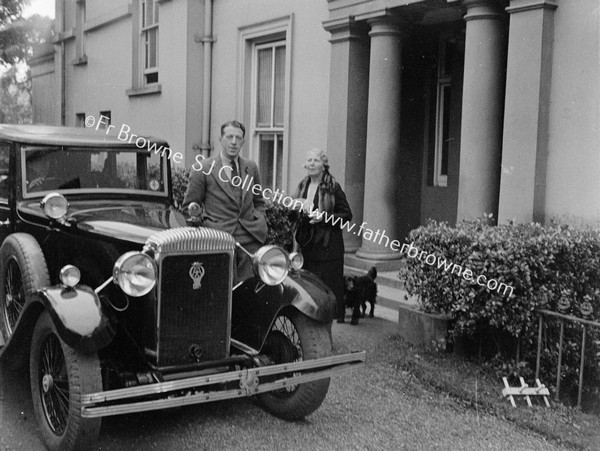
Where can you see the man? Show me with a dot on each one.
(216, 186)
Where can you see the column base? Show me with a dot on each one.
(371, 255)
(352, 243)
(353, 261)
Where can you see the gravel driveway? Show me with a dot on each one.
(379, 407)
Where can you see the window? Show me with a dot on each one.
(269, 109)
(70, 170)
(80, 57)
(80, 120)
(442, 127)
(4, 170)
(105, 119)
(149, 44)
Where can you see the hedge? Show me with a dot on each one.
(553, 267)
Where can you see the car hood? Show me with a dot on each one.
(129, 221)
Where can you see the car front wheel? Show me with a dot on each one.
(23, 271)
(60, 375)
(295, 337)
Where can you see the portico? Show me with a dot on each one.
(399, 172)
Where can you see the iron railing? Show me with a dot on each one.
(584, 324)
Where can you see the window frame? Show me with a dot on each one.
(8, 146)
(80, 20)
(145, 30)
(443, 99)
(257, 131)
(278, 29)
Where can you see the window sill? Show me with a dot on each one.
(144, 91)
(81, 61)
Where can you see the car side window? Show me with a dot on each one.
(4, 160)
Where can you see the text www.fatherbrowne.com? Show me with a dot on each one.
(412, 251)
(247, 183)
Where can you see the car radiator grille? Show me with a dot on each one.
(194, 323)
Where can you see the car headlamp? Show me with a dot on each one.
(70, 275)
(296, 261)
(135, 272)
(271, 264)
(54, 205)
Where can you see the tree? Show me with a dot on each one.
(18, 37)
(13, 35)
(15, 97)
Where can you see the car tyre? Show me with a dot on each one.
(296, 337)
(23, 271)
(59, 377)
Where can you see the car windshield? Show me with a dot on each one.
(68, 169)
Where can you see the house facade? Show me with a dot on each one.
(443, 109)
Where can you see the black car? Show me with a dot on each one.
(119, 305)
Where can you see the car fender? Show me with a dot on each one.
(81, 320)
(256, 305)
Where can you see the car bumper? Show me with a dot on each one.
(202, 389)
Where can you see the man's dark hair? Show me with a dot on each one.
(234, 124)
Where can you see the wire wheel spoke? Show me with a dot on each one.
(283, 326)
(14, 294)
(54, 385)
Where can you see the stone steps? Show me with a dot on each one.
(391, 294)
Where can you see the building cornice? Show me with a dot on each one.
(517, 6)
(344, 29)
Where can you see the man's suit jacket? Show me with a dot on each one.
(210, 187)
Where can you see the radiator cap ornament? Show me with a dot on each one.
(196, 274)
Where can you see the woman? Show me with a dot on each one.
(319, 234)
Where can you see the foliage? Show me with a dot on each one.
(280, 224)
(553, 267)
(18, 35)
(15, 98)
(12, 36)
(180, 176)
(279, 221)
(18, 38)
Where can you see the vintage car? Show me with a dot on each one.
(120, 304)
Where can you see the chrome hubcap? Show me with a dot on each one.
(47, 383)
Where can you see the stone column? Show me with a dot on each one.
(525, 141)
(347, 121)
(383, 141)
(482, 107)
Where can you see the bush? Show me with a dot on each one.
(180, 177)
(280, 224)
(553, 267)
(279, 220)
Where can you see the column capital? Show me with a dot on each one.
(483, 9)
(344, 29)
(517, 6)
(387, 26)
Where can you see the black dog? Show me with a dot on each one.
(358, 290)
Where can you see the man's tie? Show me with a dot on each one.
(236, 188)
(234, 169)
